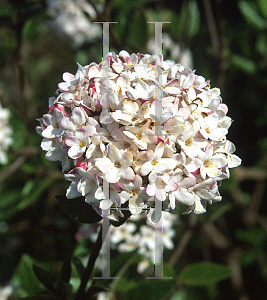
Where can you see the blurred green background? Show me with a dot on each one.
(225, 41)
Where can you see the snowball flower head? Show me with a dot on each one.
(151, 129)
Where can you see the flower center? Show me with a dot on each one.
(139, 136)
(82, 144)
(154, 162)
(117, 164)
(207, 130)
(57, 125)
(134, 192)
(188, 142)
(206, 164)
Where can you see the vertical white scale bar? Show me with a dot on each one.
(105, 213)
(158, 266)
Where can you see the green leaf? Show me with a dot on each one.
(244, 64)
(138, 29)
(45, 277)
(250, 13)
(194, 19)
(78, 266)
(255, 235)
(149, 289)
(42, 296)
(40, 187)
(78, 209)
(263, 7)
(204, 273)
(65, 272)
(26, 276)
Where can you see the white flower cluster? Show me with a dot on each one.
(176, 51)
(152, 129)
(5, 134)
(71, 19)
(127, 238)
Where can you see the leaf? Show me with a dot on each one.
(250, 13)
(138, 29)
(42, 296)
(244, 64)
(149, 289)
(126, 215)
(204, 273)
(194, 19)
(40, 187)
(65, 272)
(27, 278)
(78, 266)
(78, 209)
(45, 277)
(263, 7)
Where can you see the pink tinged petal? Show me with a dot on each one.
(151, 189)
(137, 182)
(149, 137)
(63, 86)
(223, 107)
(189, 79)
(146, 168)
(219, 133)
(172, 90)
(119, 117)
(72, 191)
(67, 124)
(159, 151)
(187, 182)
(127, 160)
(117, 134)
(54, 154)
(114, 153)
(233, 161)
(209, 151)
(191, 94)
(173, 82)
(203, 172)
(99, 194)
(184, 197)
(49, 132)
(67, 76)
(124, 196)
(172, 200)
(198, 207)
(171, 186)
(105, 204)
(70, 141)
(103, 164)
(165, 164)
(205, 97)
(130, 107)
(113, 175)
(93, 71)
(46, 144)
(76, 151)
(143, 109)
(78, 116)
(220, 160)
(128, 174)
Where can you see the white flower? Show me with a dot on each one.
(5, 134)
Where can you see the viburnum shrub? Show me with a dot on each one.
(151, 129)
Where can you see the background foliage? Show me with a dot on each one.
(228, 42)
